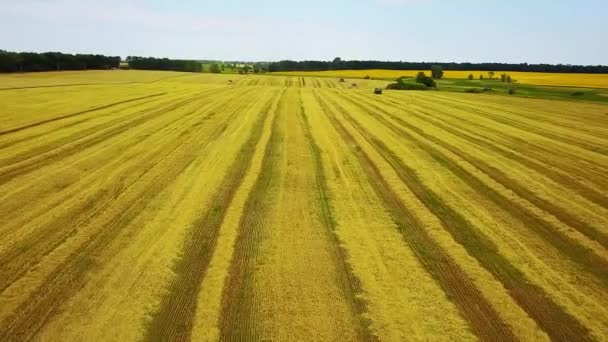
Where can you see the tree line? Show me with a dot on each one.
(54, 61)
(339, 64)
(151, 63)
(57, 61)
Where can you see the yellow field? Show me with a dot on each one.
(167, 206)
(538, 78)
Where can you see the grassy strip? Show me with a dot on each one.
(522, 90)
(174, 319)
(238, 319)
(481, 316)
(349, 284)
(557, 323)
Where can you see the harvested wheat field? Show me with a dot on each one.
(173, 206)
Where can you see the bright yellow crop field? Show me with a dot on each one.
(165, 206)
(538, 78)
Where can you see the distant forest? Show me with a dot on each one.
(49, 61)
(151, 63)
(338, 64)
(57, 61)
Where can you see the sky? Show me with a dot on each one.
(508, 31)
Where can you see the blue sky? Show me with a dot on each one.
(574, 32)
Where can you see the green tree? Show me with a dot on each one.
(436, 72)
(481, 77)
(424, 79)
(214, 68)
(490, 74)
(471, 76)
(503, 77)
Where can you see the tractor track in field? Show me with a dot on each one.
(539, 157)
(16, 262)
(95, 84)
(101, 194)
(557, 323)
(484, 115)
(133, 104)
(535, 130)
(87, 111)
(127, 146)
(546, 118)
(108, 130)
(480, 315)
(70, 275)
(495, 174)
(34, 160)
(209, 107)
(174, 319)
(41, 156)
(559, 176)
(164, 105)
(237, 322)
(348, 282)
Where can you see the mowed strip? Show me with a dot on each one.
(33, 158)
(565, 282)
(283, 278)
(572, 160)
(556, 322)
(52, 232)
(395, 287)
(137, 271)
(542, 164)
(349, 283)
(482, 317)
(174, 319)
(501, 177)
(99, 224)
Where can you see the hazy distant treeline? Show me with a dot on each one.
(48, 61)
(338, 64)
(151, 63)
(57, 61)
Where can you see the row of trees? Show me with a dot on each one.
(151, 63)
(339, 64)
(56, 61)
(503, 77)
(49, 61)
